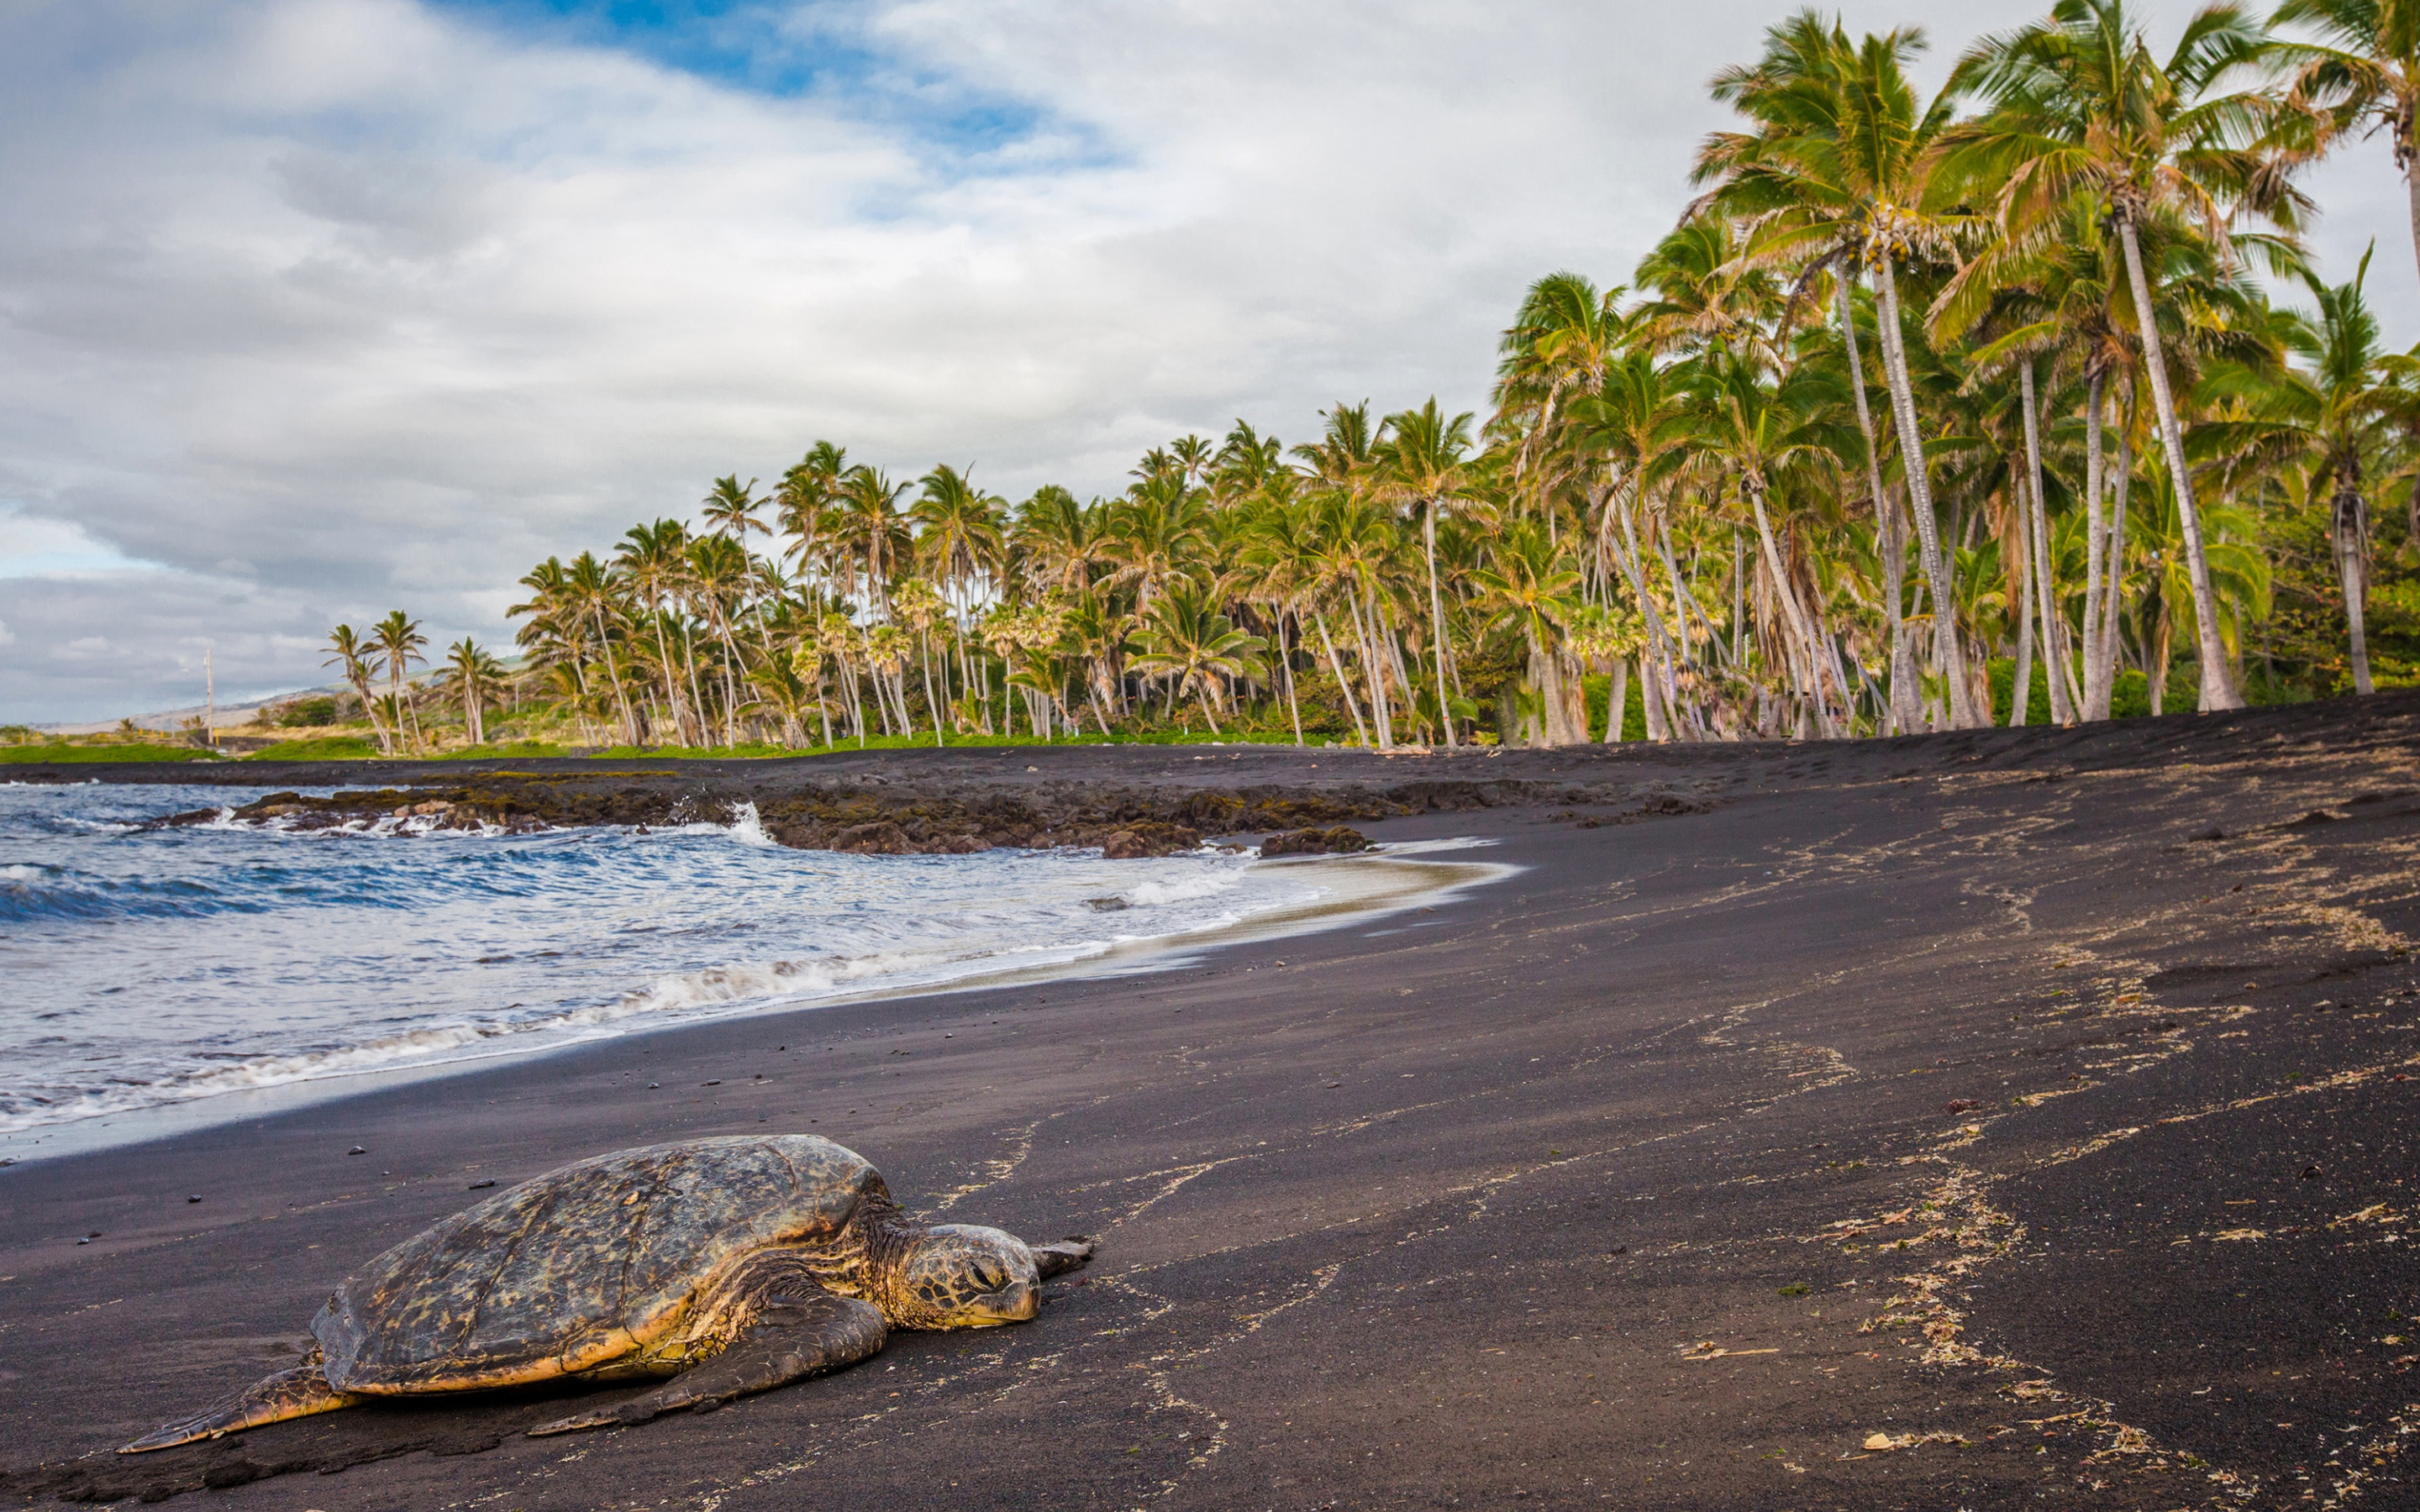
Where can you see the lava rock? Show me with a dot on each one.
(1340, 841)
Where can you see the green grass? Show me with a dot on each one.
(924, 742)
(361, 748)
(504, 747)
(318, 749)
(124, 752)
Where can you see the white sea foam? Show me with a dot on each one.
(1183, 889)
(745, 827)
(163, 967)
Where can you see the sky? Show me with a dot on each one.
(315, 309)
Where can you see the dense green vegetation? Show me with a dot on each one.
(124, 750)
(316, 748)
(1924, 400)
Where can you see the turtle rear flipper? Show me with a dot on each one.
(792, 1338)
(296, 1393)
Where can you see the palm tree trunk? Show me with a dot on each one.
(358, 676)
(1337, 663)
(614, 674)
(2096, 602)
(1437, 617)
(1654, 681)
(1886, 537)
(2161, 636)
(2410, 161)
(1617, 699)
(664, 664)
(1949, 657)
(2054, 643)
(1804, 667)
(1372, 674)
(2021, 600)
(2113, 600)
(2217, 683)
(925, 646)
(1285, 666)
(2351, 570)
(697, 697)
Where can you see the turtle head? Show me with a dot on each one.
(958, 1275)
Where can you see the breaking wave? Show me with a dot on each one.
(150, 967)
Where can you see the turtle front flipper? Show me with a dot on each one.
(1066, 1255)
(792, 1338)
(296, 1393)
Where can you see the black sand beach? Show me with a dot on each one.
(2009, 1118)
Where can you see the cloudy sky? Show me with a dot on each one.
(311, 309)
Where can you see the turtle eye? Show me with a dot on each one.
(988, 1278)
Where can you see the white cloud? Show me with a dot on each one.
(324, 307)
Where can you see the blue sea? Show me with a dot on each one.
(151, 969)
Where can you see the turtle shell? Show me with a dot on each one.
(577, 1268)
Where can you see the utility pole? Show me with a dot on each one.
(210, 702)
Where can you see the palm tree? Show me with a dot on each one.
(868, 520)
(1528, 586)
(1196, 648)
(360, 659)
(1425, 463)
(802, 504)
(591, 588)
(473, 675)
(1762, 430)
(2336, 419)
(399, 642)
(1837, 176)
(1158, 535)
(719, 573)
(918, 608)
(1640, 428)
(2079, 105)
(651, 564)
(730, 506)
(2361, 77)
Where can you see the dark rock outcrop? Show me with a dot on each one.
(1338, 841)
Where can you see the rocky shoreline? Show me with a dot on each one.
(881, 817)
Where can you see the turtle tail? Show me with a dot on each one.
(296, 1393)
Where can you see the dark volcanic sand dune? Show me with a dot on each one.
(2026, 1106)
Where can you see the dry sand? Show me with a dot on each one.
(1967, 1121)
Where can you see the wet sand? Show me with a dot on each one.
(1981, 1120)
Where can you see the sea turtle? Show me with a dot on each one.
(732, 1264)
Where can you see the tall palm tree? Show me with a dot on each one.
(473, 676)
(359, 657)
(2079, 104)
(1158, 535)
(1425, 462)
(1639, 430)
(1195, 648)
(399, 643)
(1527, 585)
(1837, 176)
(1764, 430)
(591, 588)
(653, 561)
(2336, 417)
(802, 504)
(2361, 77)
(719, 575)
(868, 509)
(730, 507)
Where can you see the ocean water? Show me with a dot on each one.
(148, 969)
